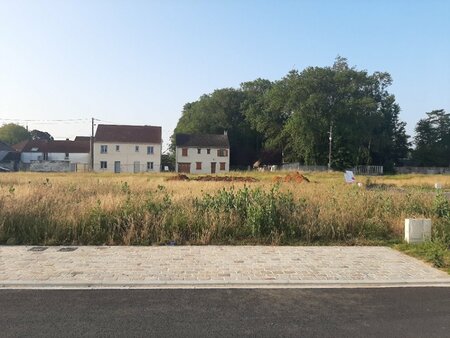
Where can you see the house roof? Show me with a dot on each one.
(5, 147)
(68, 147)
(128, 134)
(9, 156)
(24, 145)
(82, 138)
(53, 146)
(202, 140)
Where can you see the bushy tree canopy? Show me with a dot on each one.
(432, 139)
(40, 135)
(293, 116)
(12, 133)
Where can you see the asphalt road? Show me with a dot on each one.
(390, 312)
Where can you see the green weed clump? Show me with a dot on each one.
(248, 213)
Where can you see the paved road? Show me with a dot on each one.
(381, 312)
(202, 266)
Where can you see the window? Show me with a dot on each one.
(66, 156)
(149, 165)
(117, 148)
(150, 150)
(222, 152)
(103, 165)
(103, 149)
(184, 152)
(208, 151)
(199, 151)
(198, 165)
(136, 149)
(222, 165)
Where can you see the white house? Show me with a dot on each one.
(202, 153)
(75, 154)
(124, 148)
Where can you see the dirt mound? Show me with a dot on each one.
(293, 177)
(209, 178)
(178, 177)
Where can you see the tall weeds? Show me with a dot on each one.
(145, 210)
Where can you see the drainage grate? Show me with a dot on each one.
(68, 249)
(38, 248)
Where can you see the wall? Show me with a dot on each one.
(73, 157)
(27, 157)
(422, 170)
(50, 166)
(203, 157)
(127, 156)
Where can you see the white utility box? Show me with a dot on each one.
(417, 230)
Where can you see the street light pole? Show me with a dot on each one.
(329, 146)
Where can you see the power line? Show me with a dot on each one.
(46, 120)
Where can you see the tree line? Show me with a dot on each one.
(293, 119)
(12, 133)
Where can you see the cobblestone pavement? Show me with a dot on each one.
(212, 266)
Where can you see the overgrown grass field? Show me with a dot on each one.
(147, 209)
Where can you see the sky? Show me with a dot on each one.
(139, 62)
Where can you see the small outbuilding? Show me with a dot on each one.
(9, 158)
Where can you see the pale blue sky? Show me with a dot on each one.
(139, 62)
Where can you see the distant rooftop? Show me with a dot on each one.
(53, 146)
(82, 138)
(202, 140)
(5, 147)
(128, 134)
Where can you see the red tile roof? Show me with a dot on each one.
(20, 146)
(128, 134)
(82, 138)
(45, 146)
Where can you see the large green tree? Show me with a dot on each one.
(295, 115)
(432, 139)
(12, 133)
(354, 105)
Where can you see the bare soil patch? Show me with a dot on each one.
(211, 178)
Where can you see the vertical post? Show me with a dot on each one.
(92, 144)
(329, 146)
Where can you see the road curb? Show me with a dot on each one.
(224, 284)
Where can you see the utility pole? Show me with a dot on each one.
(329, 146)
(92, 145)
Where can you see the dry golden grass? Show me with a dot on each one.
(90, 208)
